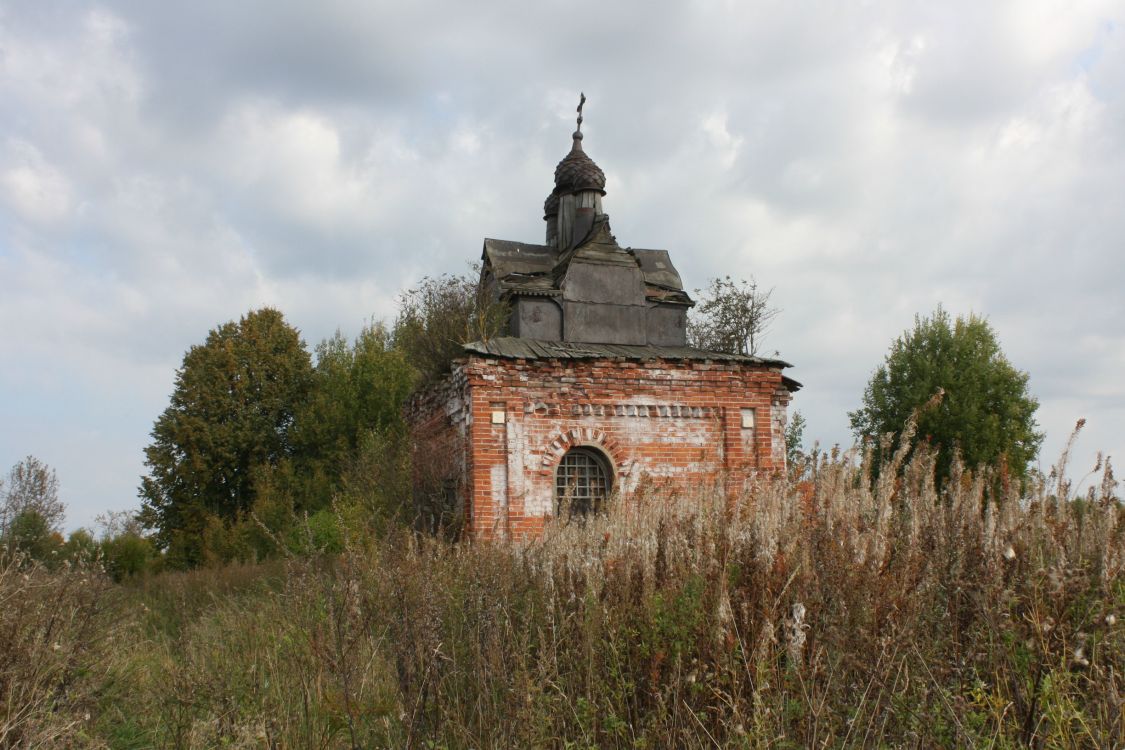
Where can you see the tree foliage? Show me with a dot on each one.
(440, 315)
(731, 316)
(80, 547)
(257, 438)
(795, 456)
(358, 388)
(30, 533)
(231, 413)
(31, 512)
(32, 487)
(985, 412)
(124, 549)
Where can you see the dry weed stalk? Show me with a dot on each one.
(839, 611)
(54, 628)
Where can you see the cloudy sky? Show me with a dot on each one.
(165, 167)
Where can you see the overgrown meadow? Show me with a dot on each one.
(830, 609)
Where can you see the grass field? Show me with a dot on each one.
(828, 612)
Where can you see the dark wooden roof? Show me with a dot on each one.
(528, 268)
(509, 347)
(509, 258)
(656, 265)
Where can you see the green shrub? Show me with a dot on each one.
(126, 555)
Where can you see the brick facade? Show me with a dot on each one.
(489, 438)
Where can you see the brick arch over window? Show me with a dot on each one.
(562, 442)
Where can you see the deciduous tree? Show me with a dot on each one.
(795, 455)
(985, 412)
(357, 388)
(440, 315)
(231, 412)
(30, 534)
(32, 486)
(731, 317)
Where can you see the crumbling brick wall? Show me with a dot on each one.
(503, 425)
(439, 418)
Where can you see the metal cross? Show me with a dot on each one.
(580, 103)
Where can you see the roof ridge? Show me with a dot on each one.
(513, 347)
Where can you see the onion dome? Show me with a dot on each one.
(578, 172)
(551, 206)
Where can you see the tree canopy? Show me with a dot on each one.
(731, 316)
(31, 512)
(985, 413)
(440, 315)
(231, 413)
(256, 437)
(357, 388)
(32, 487)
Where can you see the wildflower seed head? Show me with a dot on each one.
(1111, 619)
(1010, 553)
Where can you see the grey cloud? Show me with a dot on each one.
(165, 167)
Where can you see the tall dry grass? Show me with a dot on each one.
(832, 612)
(55, 629)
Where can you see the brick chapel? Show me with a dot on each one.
(593, 390)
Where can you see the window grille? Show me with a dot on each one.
(582, 483)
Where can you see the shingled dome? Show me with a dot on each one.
(577, 171)
(551, 205)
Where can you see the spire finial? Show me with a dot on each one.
(581, 101)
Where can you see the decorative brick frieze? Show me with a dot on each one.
(655, 411)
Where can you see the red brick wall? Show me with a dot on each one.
(677, 424)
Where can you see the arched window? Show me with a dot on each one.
(582, 482)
